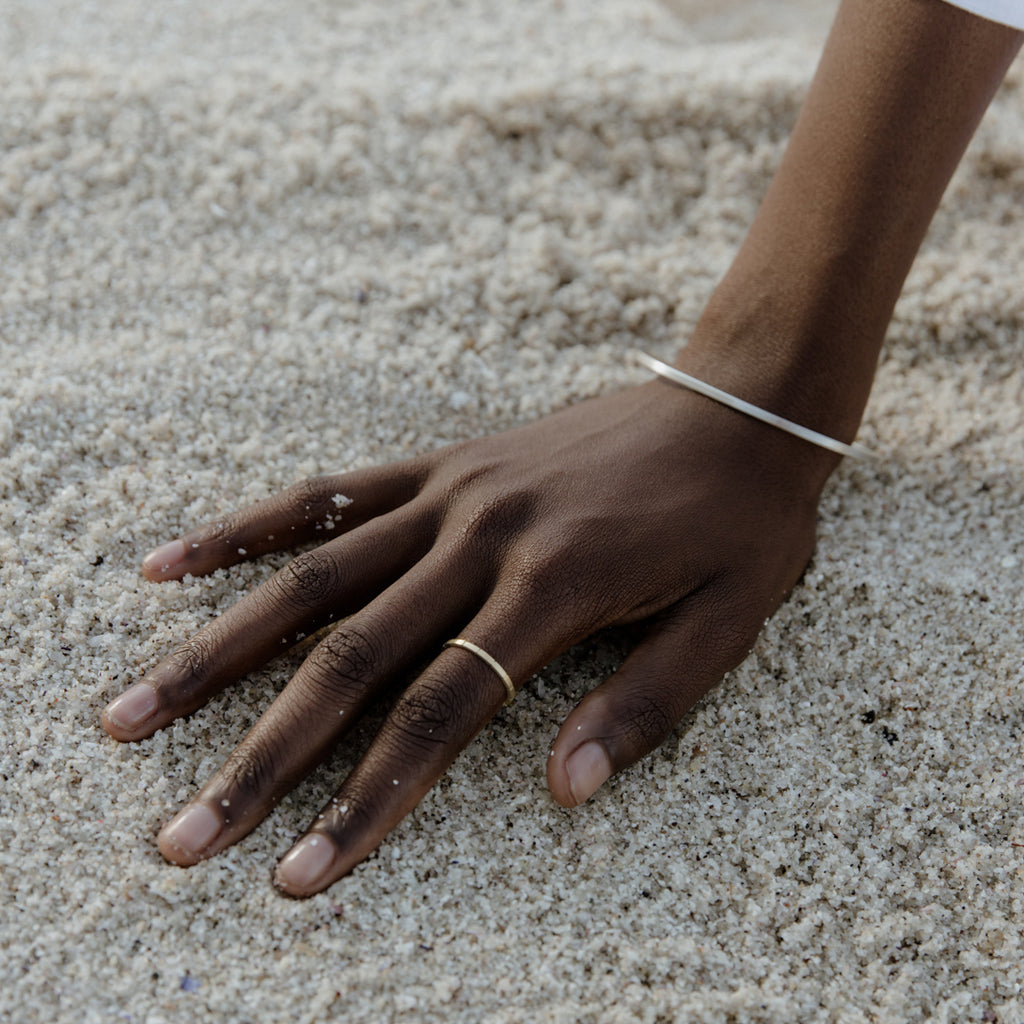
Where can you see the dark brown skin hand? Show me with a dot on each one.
(652, 505)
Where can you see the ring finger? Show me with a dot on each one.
(435, 718)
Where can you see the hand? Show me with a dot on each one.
(651, 504)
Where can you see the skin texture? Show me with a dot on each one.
(653, 505)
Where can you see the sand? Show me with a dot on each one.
(250, 242)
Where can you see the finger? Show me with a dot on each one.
(311, 510)
(435, 718)
(314, 589)
(320, 705)
(679, 660)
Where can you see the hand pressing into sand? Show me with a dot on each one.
(652, 505)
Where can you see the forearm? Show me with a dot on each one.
(798, 321)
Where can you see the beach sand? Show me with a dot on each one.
(247, 243)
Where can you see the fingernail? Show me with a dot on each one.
(306, 865)
(587, 767)
(165, 557)
(135, 706)
(193, 829)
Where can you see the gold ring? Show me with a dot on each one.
(506, 679)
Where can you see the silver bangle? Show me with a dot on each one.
(855, 451)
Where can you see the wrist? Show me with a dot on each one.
(695, 384)
(791, 355)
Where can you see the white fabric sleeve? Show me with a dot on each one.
(1008, 12)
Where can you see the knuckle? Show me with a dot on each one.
(427, 717)
(310, 502)
(491, 522)
(353, 810)
(484, 521)
(251, 771)
(306, 496)
(308, 580)
(227, 530)
(344, 665)
(646, 721)
(195, 657)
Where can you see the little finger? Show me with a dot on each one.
(314, 509)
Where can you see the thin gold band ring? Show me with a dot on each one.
(468, 645)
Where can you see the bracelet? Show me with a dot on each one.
(855, 451)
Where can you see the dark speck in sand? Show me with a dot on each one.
(868, 717)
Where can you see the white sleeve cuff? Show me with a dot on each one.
(1008, 12)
